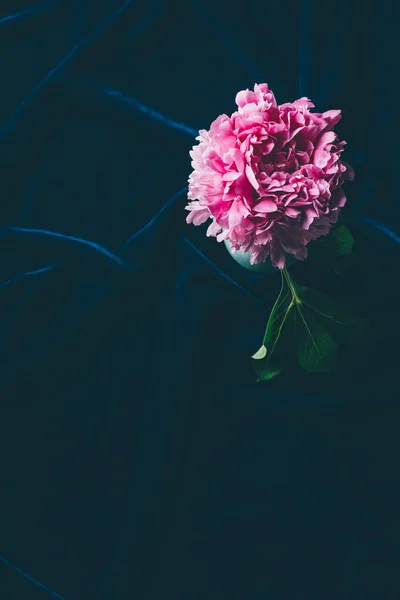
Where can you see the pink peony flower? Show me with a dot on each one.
(269, 177)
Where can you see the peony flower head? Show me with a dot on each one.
(269, 176)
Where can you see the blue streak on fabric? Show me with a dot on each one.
(167, 205)
(148, 111)
(27, 274)
(98, 30)
(53, 234)
(31, 579)
(20, 15)
(238, 53)
(224, 275)
(382, 228)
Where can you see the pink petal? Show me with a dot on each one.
(292, 212)
(309, 215)
(231, 176)
(198, 216)
(213, 229)
(349, 171)
(236, 213)
(277, 256)
(223, 235)
(266, 206)
(251, 177)
(239, 160)
(338, 198)
(321, 155)
(244, 97)
(333, 116)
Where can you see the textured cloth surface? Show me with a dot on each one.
(139, 458)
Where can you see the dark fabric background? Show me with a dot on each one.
(139, 459)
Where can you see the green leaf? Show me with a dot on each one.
(334, 249)
(308, 324)
(341, 240)
(269, 359)
(268, 370)
(316, 351)
(341, 323)
(277, 318)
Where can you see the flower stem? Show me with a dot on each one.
(291, 286)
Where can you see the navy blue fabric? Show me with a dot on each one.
(139, 458)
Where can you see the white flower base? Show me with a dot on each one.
(243, 259)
